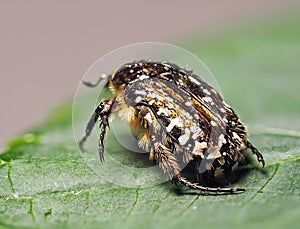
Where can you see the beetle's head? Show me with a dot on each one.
(133, 71)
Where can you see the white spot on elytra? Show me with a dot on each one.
(206, 91)
(207, 99)
(171, 106)
(138, 99)
(221, 139)
(161, 91)
(222, 110)
(143, 77)
(188, 103)
(156, 96)
(151, 95)
(148, 117)
(163, 111)
(235, 135)
(185, 137)
(151, 102)
(195, 136)
(213, 123)
(199, 148)
(174, 122)
(213, 153)
(195, 81)
(138, 92)
(169, 99)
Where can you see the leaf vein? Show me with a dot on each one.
(9, 177)
(137, 193)
(160, 201)
(30, 211)
(189, 206)
(277, 132)
(264, 185)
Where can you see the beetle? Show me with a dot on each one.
(181, 121)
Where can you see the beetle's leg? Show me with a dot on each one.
(88, 129)
(259, 156)
(103, 125)
(179, 179)
(165, 159)
(162, 155)
(102, 77)
(103, 112)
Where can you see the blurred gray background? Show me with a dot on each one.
(46, 46)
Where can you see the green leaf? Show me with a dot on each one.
(46, 183)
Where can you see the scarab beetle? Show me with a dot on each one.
(181, 121)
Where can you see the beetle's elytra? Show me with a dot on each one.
(181, 120)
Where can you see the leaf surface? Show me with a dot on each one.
(46, 183)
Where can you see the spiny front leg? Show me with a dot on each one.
(103, 112)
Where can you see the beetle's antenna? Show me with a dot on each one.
(103, 76)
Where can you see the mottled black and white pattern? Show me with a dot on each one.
(181, 121)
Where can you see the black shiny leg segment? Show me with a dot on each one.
(179, 179)
(259, 156)
(103, 112)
